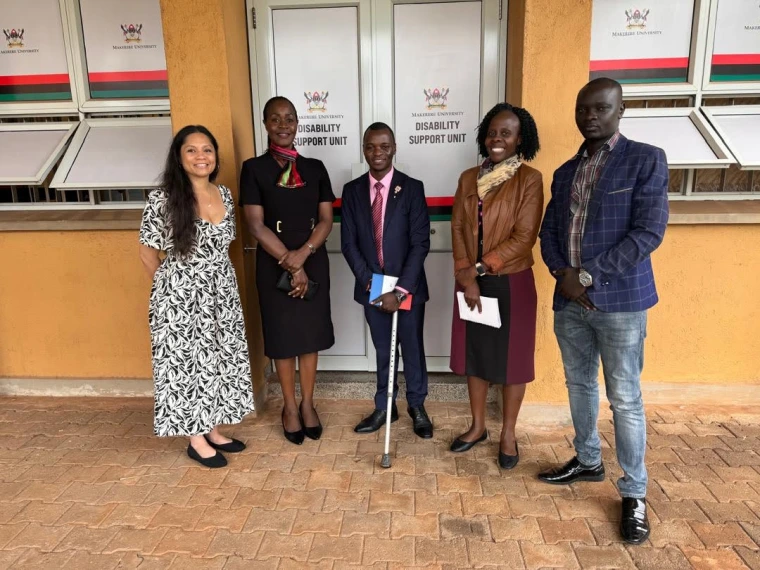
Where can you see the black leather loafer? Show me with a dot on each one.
(509, 461)
(571, 472)
(459, 445)
(634, 524)
(235, 446)
(423, 427)
(314, 432)
(292, 436)
(214, 462)
(375, 421)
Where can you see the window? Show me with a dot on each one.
(66, 62)
(690, 71)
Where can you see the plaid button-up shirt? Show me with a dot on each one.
(586, 176)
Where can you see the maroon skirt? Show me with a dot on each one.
(504, 355)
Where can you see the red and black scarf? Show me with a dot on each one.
(289, 177)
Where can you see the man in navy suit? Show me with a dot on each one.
(385, 229)
(608, 212)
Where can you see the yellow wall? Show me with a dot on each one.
(74, 304)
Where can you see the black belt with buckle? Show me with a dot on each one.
(280, 226)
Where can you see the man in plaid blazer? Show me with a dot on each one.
(607, 214)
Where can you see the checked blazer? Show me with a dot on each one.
(626, 221)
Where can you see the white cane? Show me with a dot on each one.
(386, 461)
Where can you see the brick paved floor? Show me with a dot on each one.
(84, 484)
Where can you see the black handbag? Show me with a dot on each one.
(284, 284)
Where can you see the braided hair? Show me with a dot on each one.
(529, 145)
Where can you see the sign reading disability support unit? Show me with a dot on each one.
(310, 140)
(437, 138)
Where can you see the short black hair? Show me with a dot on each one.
(604, 83)
(278, 99)
(529, 145)
(380, 127)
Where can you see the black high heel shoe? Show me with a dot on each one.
(311, 432)
(509, 461)
(459, 445)
(292, 436)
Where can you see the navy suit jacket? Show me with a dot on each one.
(406, 235)
(627, 217)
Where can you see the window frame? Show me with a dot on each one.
(67, 127)
(712, 114)
(67, 162)
(53, 108)
(78, 53)
(736, 87)
(724, 158)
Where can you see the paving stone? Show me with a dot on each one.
(718, 535)
(555, 531)
(451, 552)
(326, 548)
(714, 559)
(416, 525)
(539, 556)
(523, 529)
(593, 557)
(505, 553)
(669, 558)
(363, 524)
(750, 557)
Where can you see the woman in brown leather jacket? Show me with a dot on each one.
(494, 225)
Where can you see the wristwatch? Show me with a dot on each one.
(480, 268)
(585, 278)
(400, 295)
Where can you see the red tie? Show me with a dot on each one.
(377, 221)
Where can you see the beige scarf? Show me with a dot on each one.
(493, 175)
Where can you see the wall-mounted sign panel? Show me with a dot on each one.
(437, 92)
(645, 43)
(736, 49)
(317, 68)
(124, 45)
(33, 63)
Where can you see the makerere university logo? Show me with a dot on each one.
(316, 102)
(637, 19)
(14, 38)
(436, 98)
(132, 33)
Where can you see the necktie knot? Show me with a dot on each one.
(378, 187)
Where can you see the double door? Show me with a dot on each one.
(428, 69)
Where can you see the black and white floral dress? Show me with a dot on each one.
(201, 368)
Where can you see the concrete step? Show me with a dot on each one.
(361, 386)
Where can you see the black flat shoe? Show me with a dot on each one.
(634, 524)
(375, 421)
(214, 462)
(459, 445)
(235, 446)
(509, 461)
(571, 472)
(311, 432)
(292, 436)
(421, 423)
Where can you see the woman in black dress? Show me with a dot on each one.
(287, 201)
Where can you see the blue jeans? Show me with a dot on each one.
(618, 338)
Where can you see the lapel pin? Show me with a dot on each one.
(396, 190)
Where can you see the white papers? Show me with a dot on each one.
(490, 315)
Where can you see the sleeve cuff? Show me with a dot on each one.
(404, 291)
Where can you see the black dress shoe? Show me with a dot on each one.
(459, 445)
(292, 436)
(509, 461)
(375, 421)
(634, 524)
(235, 446)
(571, 472)
(311, 432)
(423, 427)
(214, 462)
